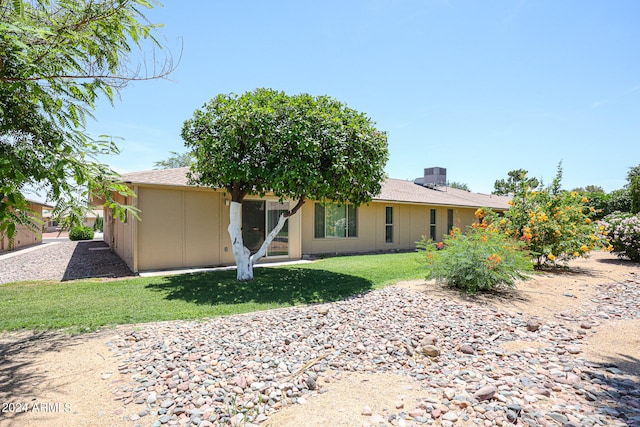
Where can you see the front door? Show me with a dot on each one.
(258, 221)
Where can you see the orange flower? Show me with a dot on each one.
(584, 248)
(587, 220)
(494, 260)
(551, 257)
(585, 200)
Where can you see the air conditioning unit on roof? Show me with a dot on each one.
(433, 177)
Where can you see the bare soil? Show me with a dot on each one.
(56, 380)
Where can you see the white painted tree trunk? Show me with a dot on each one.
(241, 254)
(267, 241)
(244, 260)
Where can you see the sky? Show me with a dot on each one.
(477, 87)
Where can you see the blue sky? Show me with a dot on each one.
(478, 87)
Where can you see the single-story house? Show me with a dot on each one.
(51, 225)
(185, 226)
(25, 235)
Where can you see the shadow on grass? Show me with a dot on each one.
(286, 286)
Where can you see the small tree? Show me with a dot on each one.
(555, 224)
(459, 185)
(516, 182)
(297, 147)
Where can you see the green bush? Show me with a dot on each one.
(81, 233)
(481, 260)
(98, 225)
(623, 230)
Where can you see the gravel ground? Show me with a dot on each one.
(239, 370)
(59, 259)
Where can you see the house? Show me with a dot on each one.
(25, 235)
(184, 226)
(51, 225)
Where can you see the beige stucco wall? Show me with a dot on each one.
(187, 227)
(119, 235)
(180, 228)
(410, 223)
(24, 235)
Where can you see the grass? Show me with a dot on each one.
(86, 305)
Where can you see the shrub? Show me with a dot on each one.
(481, 260)
(555, 225)
(98, 225)
(623, 230)
(605, 204)
(81, 233)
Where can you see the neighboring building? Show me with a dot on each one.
(184, 226)
(51, 225)
(24, 235)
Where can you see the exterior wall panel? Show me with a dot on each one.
(410, 223)
(202, 232)
(24, 236)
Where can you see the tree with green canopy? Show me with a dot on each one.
(175, 160)
(517, 181)
(297, 147)
(458, 185)
(56, 59)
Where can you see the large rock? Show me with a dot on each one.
(430, 350)
(485, 393)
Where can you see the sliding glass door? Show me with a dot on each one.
(258, 221)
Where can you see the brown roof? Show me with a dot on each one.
(393, 190)
(397, 190)
(177, 176)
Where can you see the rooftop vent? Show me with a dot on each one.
(433, 177)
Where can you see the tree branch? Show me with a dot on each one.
(296, 208)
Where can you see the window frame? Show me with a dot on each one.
(388, 224)
(433, 224)
(320, 221)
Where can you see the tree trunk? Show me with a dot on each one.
(267, 241)
(241, 254)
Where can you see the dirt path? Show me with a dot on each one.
(57, 380)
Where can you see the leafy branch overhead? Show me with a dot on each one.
(56, 60)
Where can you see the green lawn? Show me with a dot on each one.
(86, 305)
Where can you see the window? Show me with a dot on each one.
(432, 225)
(388, 227)
(335, 221)
(449, 220)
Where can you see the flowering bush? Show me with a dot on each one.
(623, 229)
(480, 260)
(555, 225)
